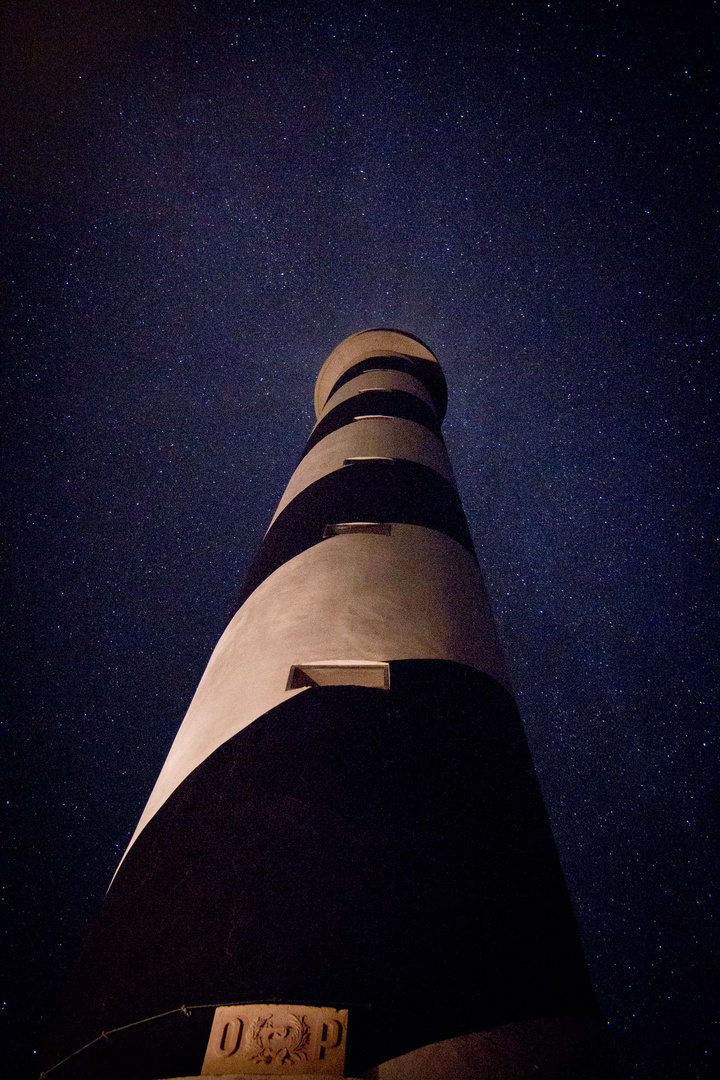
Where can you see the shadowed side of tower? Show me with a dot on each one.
(348, 818)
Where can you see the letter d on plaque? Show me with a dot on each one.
(276, 1040)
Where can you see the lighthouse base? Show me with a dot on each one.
(551, 1048)
(381, 851)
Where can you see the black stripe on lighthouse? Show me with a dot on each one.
(428, 372)
(393, 403)
(403, 492)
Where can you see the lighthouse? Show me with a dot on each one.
(345, 867)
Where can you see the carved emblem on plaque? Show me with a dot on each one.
(280, 1043)
(276, 1040)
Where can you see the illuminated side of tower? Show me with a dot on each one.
(345, 866)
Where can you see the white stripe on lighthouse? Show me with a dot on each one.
(413, 595)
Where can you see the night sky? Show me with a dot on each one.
(203, 201)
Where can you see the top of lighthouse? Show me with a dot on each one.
(361, 352)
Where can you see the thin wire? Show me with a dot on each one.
(187, 1010)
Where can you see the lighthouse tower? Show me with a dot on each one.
(345, 866)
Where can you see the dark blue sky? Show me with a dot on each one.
(203, 200)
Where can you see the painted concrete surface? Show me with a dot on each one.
(416, 594)
(554, 1048)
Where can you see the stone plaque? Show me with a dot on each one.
(276, 1040)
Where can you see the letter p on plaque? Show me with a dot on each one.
(276, 1040)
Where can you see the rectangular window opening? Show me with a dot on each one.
(340, 673)
(341, 528)
(369, 457)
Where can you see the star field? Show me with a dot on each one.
(203, 200)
